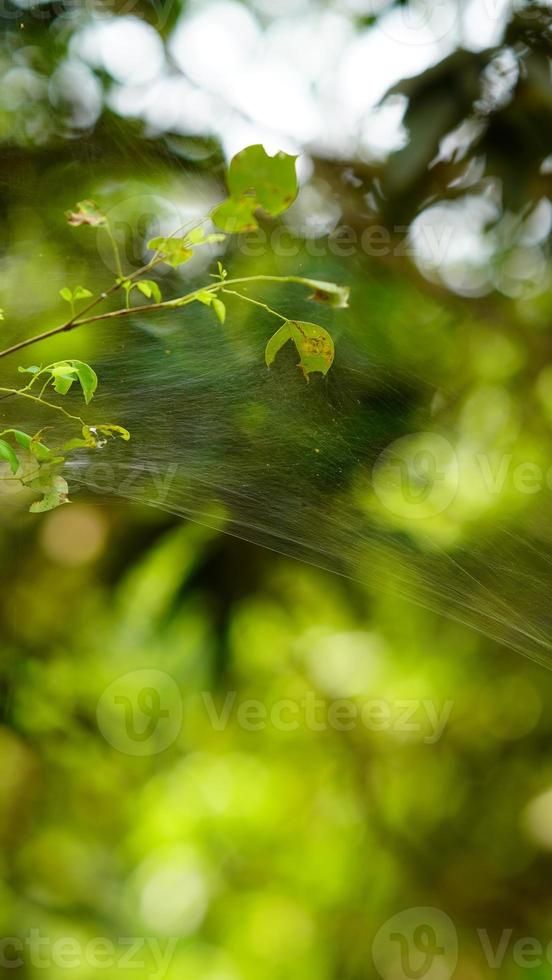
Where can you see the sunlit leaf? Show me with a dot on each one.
(113, 430)
(33, 369)
(219, 308)
(81, 293)
(204, 297)
(236, 215)
(173, 251)
(64, 373)
(66, 294)
(88, 379)
(63, 376)
(256, 180)
(198, 236)
(150, 289)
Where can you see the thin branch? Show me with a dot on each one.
(81, 321)
(75, 320)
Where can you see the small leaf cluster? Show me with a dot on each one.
(34, 464)
(62, 375)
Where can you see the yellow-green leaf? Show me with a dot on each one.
(173, 251)
(281, 337)
(314, 346)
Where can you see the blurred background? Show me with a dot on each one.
(219, 762)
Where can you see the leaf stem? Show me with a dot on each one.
(40, 401)
(256, 302)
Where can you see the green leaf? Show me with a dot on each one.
(329, 292)
(219, 308)
(63, 376)
(204, 297)
(64, 373)
(55, 493)
(276, 342)
(93, 435)
(81, 293)
(256, 180)
(88, 440)
(314, 346)
(198, 236)
(88, 379)
(112, 430)
(150, 289)
(236, 215)
(76, 444)
(33, 369)
(66, 294)
(7, 453)
(174, 251)
(40, 451)
(86, 213)
(22, 438)
(32, 444)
